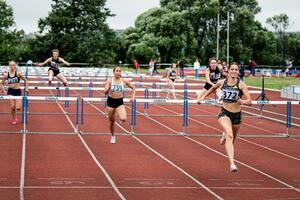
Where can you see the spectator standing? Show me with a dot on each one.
(155, 68)
(242, 70)
(136, 66)
(196, 68)
(151, 67)
(252, 65)
(181, 66)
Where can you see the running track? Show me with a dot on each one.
(62, 166)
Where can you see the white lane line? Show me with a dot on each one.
(254, 143)
(156, 121)
(266, 130)
(152, 179)
(273, 150)
(180, 169)
(239, 180)
(271, 112)
(102, 169)
(64, 178)
(145, 187)
(95, 159)
(265, 117)
(244, 164)
(248, 166)
(22, 173)
(173, 164)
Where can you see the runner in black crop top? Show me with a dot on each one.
(230, 114)
(13, 78)
(212, 74)
(54, 63)
(171, 77)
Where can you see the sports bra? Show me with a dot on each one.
(214, 75)
(172, 74)
(14, 79)
(55, 63)
(116, 87)
(230, 94)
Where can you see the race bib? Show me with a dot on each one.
(54, 64)
(117, 88)
(231, 95)
(215, 76)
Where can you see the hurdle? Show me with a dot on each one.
(153, 89)
(185, 115)
(134, 83)
(25, 112)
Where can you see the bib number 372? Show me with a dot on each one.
(230, 95)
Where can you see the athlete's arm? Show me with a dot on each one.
(64, 62)
(246, 93)
(207, 77)
(4, 78)
(2, 87)
(44, 63)
(168, 75)
(20, 74)
(221, 69)
(107, 86)
(132, 87)
(212, 89)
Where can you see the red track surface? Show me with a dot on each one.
(144, 167)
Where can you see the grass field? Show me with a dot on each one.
(272, 82)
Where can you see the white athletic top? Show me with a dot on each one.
(116, 87)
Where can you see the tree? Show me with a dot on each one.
(162, 31)
(141, 51)
(294, 47)
(9, 36)
(78, 28)
(280, 24)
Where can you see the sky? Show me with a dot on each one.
(28, 12)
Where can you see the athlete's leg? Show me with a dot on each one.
(173, 88)
(226, 125)
(235, 129)
(122, 113)
(13, 108)
(111, 118)
(62, 78)
(50, 76)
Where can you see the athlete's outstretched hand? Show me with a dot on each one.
(240, 101)
(107, 87)
(199, 100)
(132, 99)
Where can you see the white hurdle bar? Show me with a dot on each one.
(93, 78)
(184, 104)
(50, 98)
(98, 75)
(172, 101)
(42, 98)
(134, 83)
(126, 89)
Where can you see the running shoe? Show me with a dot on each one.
(14, 122)
(223, 139)
(233, 168)
(113, 140)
